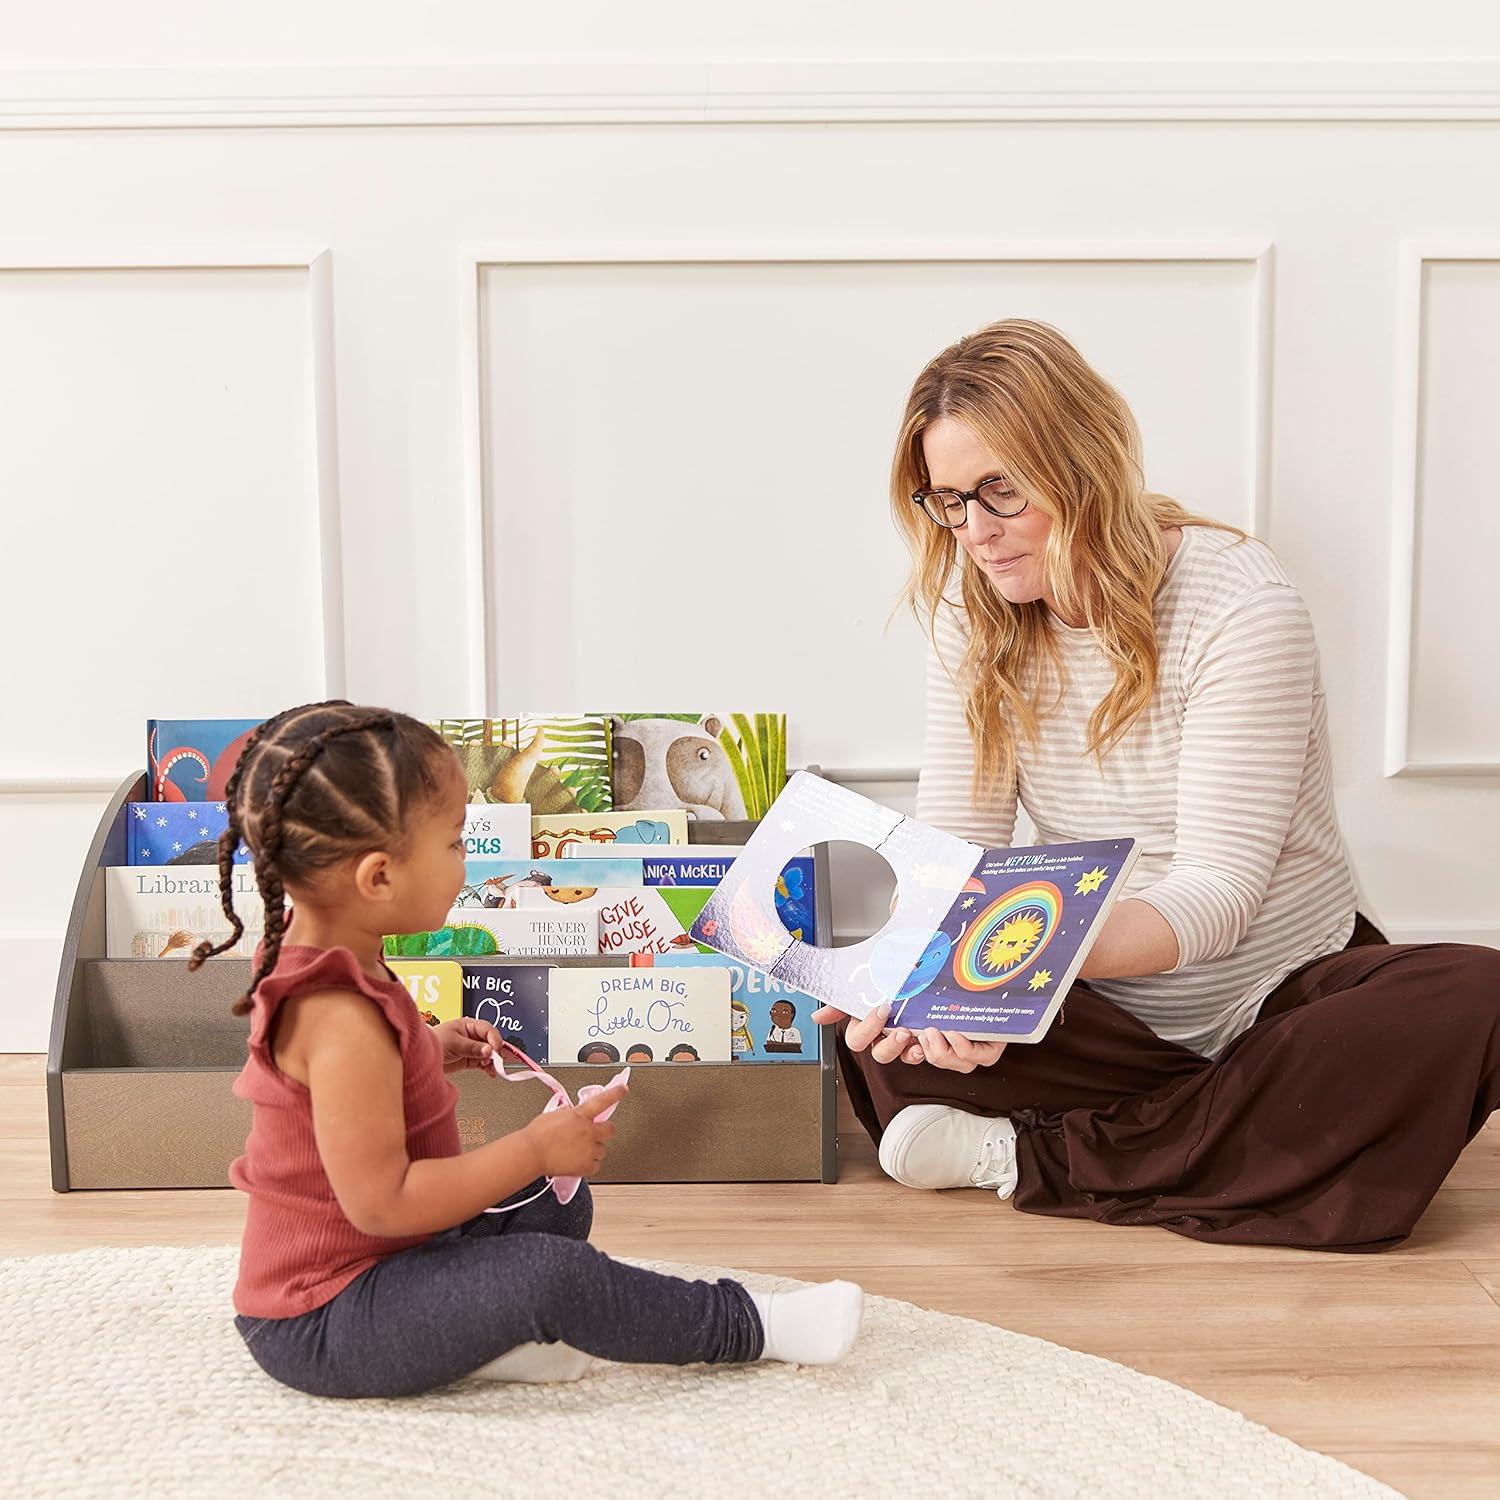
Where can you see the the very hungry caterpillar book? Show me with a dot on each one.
(479, 931)
(984, 942)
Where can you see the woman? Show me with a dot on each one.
(1247, 1060)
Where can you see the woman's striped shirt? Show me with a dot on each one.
(1225, 782)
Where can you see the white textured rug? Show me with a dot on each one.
(121, 1375)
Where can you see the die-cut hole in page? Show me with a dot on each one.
(863, 887)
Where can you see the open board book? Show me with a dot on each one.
(983, 942)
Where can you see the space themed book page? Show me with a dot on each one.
(980, 941)
(1013, 941)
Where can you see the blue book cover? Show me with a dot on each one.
(1013, 940)
(513, 999)
(191, 760)
(177, 833)
(768, 1020)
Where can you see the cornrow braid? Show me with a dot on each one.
(267, 870)
(229, 841)
(316, 785)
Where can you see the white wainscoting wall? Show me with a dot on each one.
(471, 380)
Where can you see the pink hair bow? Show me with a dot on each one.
(563, 1188)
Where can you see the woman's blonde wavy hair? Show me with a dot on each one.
(1067, 442)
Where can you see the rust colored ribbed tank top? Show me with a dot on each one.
(299, 1250)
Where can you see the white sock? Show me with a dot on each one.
(538, 1364)
(814, 1325)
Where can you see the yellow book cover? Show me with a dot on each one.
(435, 985)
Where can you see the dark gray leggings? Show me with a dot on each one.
(424, 1317)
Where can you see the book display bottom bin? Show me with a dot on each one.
(143, 1056)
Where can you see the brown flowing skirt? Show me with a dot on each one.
(1329, 1124)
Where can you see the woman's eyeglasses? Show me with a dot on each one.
(950, 508)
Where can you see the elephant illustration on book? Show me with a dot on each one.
(664, 763)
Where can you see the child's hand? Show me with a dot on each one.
(572, 1142)
(467, 1043)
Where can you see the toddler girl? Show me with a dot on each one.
(368, 1265)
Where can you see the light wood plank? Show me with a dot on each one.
(1487, 1274)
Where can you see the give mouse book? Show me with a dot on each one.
(983, 942)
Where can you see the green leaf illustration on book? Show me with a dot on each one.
(729, 766)
(444, 942)
(557, 763)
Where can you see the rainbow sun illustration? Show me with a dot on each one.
(1040, 980)
(1014, 940)
(1090, 882)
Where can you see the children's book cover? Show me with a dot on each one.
(686, 876)
(557, 763)
(561, 836)
(497, 830)
(191, 760)
(435, 985)
(513, 999)
(1011, 944)
(638, 1016)
(479, 932)
(177, 833)
(632, 919)
(768, 1020)
(984, 942)
(166, 913)
(501, 882)
(724, 767)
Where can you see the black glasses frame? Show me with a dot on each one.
(920, 498)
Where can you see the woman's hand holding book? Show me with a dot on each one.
(943, 1049)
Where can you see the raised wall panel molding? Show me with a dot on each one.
(319, 266)
(1414, 257)
(484, 693)
(705, 91)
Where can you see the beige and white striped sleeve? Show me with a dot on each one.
(1245, 728)
(945, 790)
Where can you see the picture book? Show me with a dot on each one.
(513, 999)
(561, 836)
(436, 986)
(724, 767)
(177, 833)
(478, 932)
(632, 919)
(557, 763)
(191, 760)
(768, 1020)
(984, 942)
(638, 1016)
(497, 830)
(500, 882)
(686, 875)
(166, 913)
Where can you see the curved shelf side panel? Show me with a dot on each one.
(84, 939)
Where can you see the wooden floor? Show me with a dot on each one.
(1389, 1362)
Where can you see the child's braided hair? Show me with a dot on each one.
(314, 786)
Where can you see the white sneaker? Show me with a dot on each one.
(936, 1146)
